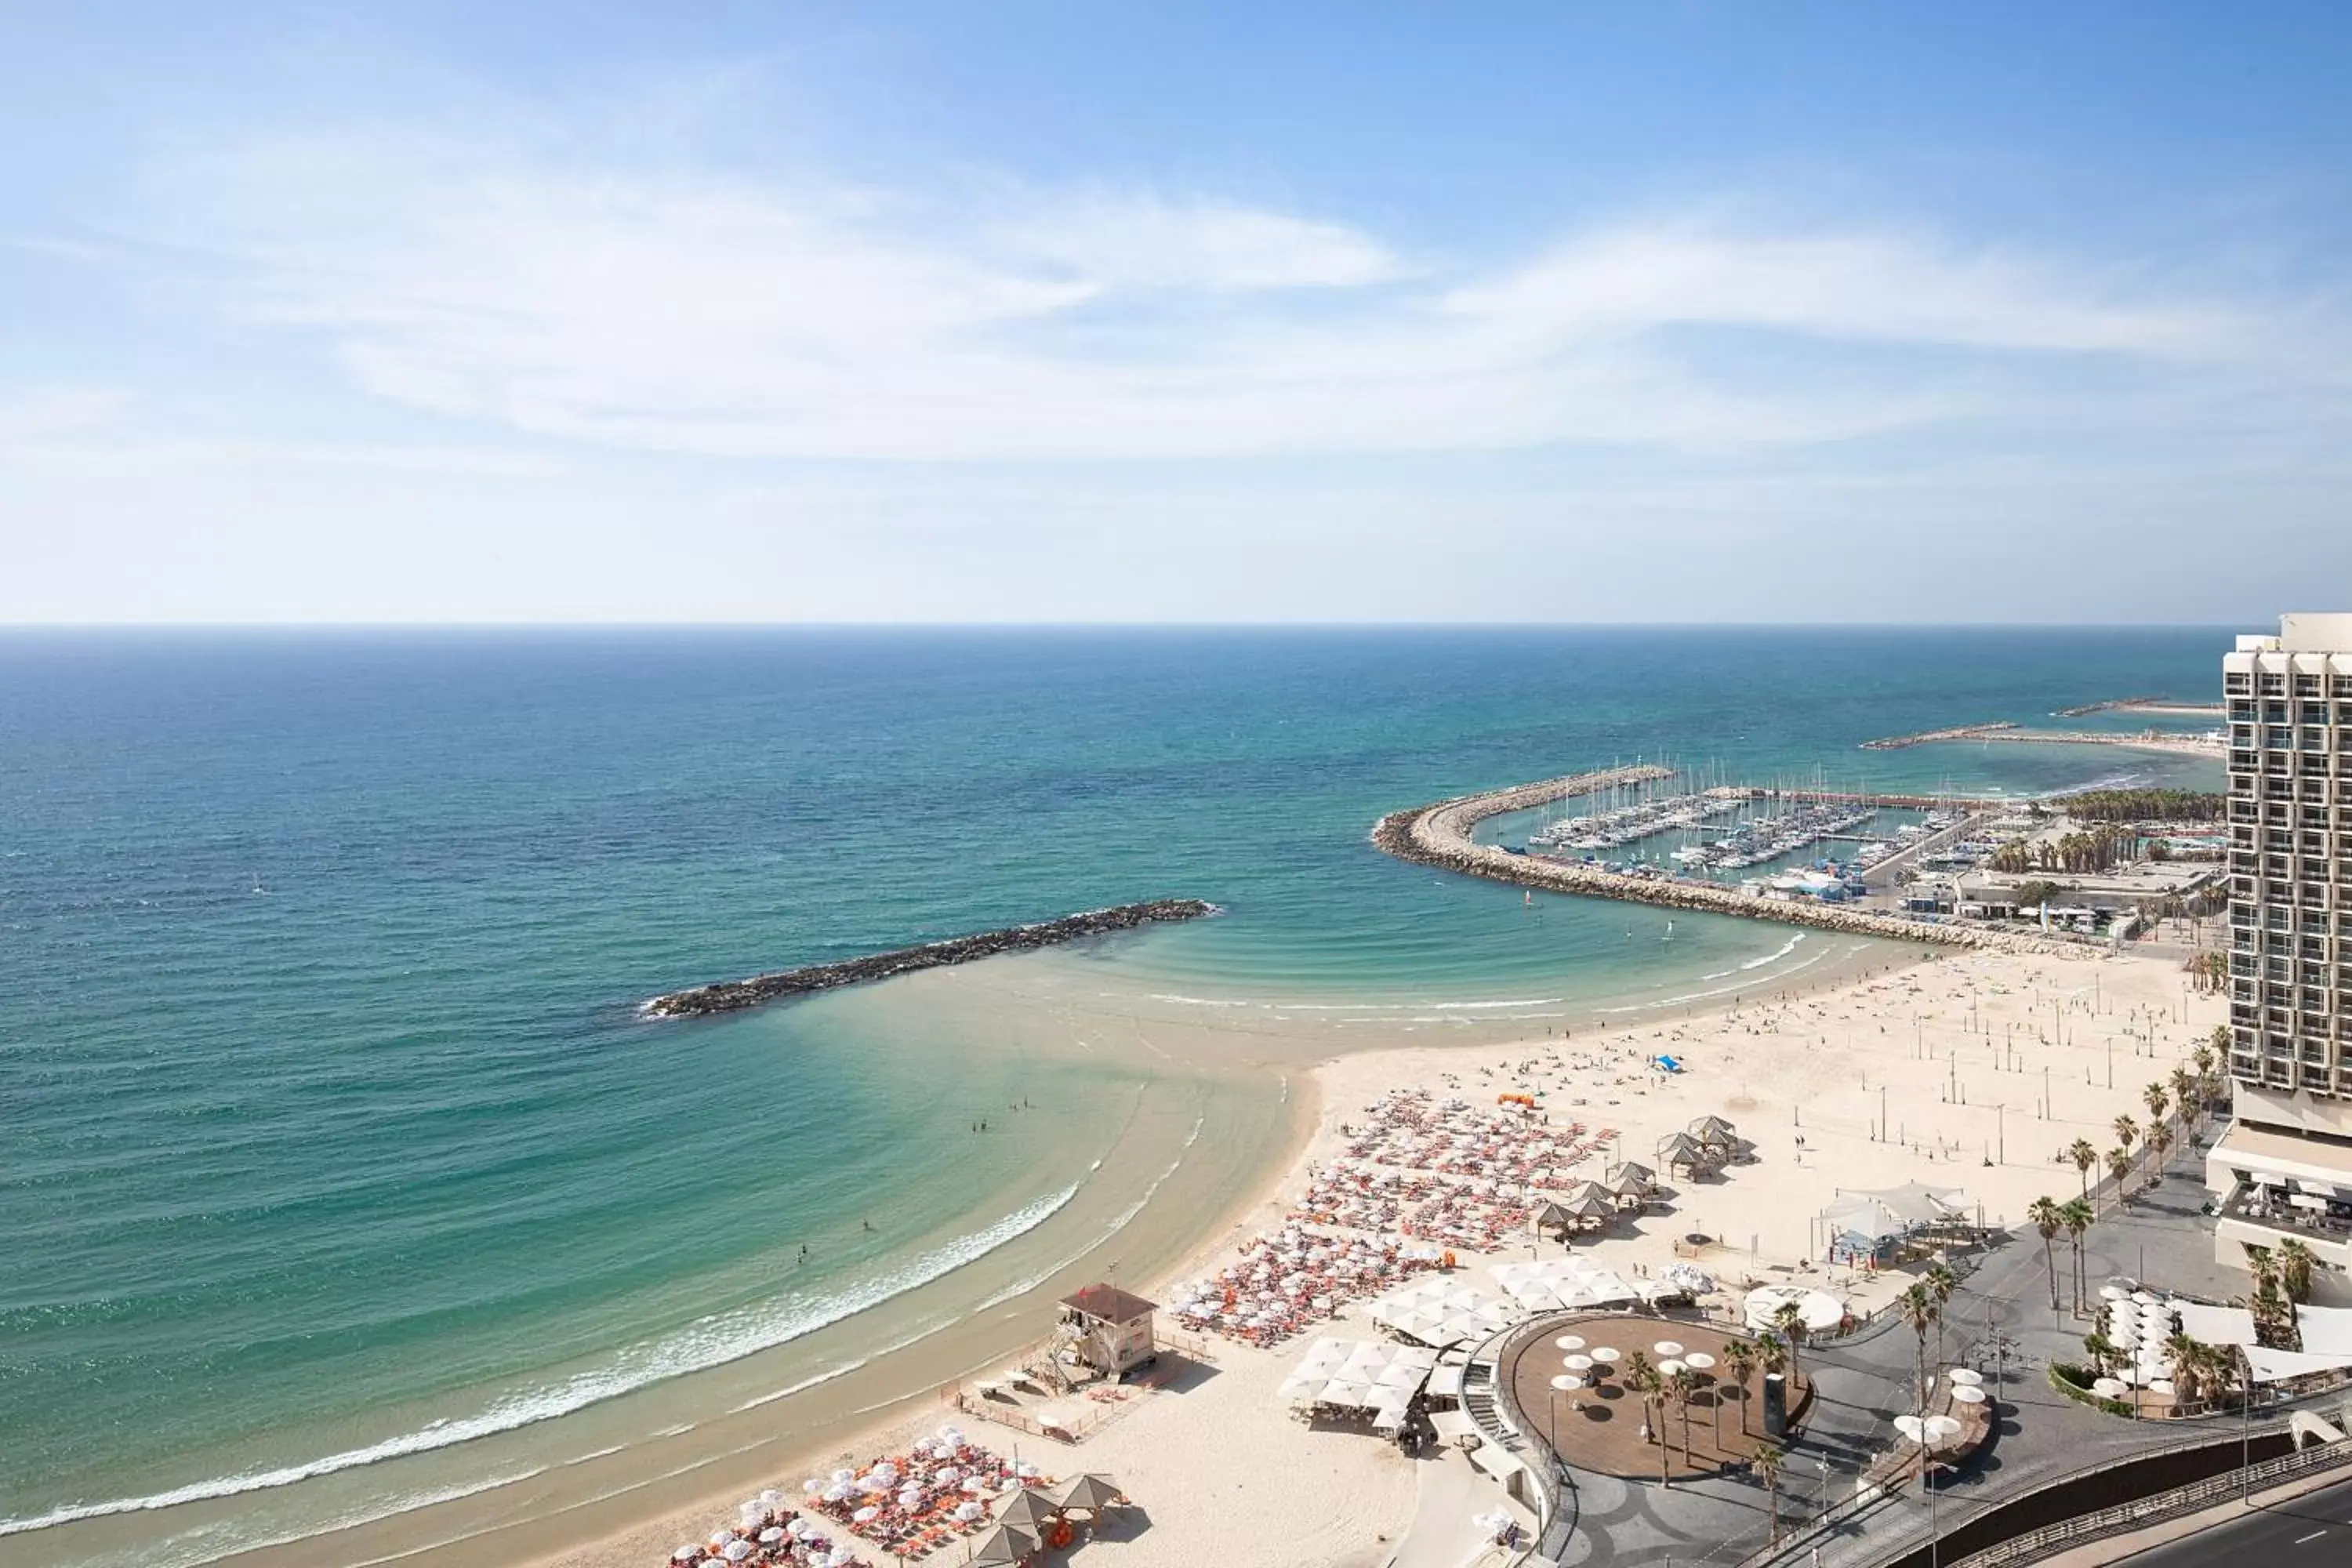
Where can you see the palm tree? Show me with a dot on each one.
(2156, 1100)
(1767, 1465)
(1918, 1308)
(1788, 1320)
(2078, 1218)
(2049, 1217)
(1680, 1385)
(2184, 1090)
(1941, 1283)
(2191, 1361)
(2101, 1349)
(1740, 1360)
(2127, 1130)
(1644, 1379)
(2294, 1261)
(2084, 1156)
(2119, 1165)
(2160, 1139)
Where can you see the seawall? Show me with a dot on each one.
(1438, 835)
(732, 995)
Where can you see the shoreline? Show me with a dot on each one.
(1313, 1111)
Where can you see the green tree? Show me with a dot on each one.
(2085, 1158)
(1917, 1306)
(1767, 1465)
(1739, 1362)
(2049, 1217)
(2079, 1217)
(2294, 1263)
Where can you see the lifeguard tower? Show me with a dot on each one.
(1107, 1330)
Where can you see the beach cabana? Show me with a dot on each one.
(1631, 1185)
(1594, 1210)
(1029, 1510)
(1006, 1546)
(1714, 1132)
(1089, 1493)
(1110, 1330)
(1551, 1219)
(1681, 1152)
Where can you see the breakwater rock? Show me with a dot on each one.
(732, 995)
(1438, 835)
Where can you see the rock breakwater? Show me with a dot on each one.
(733, 996)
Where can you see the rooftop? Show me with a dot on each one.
(1110, 1302)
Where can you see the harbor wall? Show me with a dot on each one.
(732, 995)
(1438, 835)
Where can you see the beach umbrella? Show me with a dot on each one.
(1941, 1428)
(1580, 1364)
(772, 1498)
(1966, 1394)
(1606, 1354)
(1668, 1347)
(1911, 1426)
(770, 1536)
(686, 1553)
(1670, 1366)
(1967, 1377)
(738, 1550)
(1569, 1341)
(811, 1486)
(1567, 1383)
(865, 1515)
(1698, 1361)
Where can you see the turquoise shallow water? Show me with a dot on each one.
(324, 1090)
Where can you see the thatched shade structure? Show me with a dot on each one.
(1715, 1133)
(1090, 1492)
(1006, 1546)
(1551, 1218)
(1029, 1510)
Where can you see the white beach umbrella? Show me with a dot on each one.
(1698, 1361)
(1668, 1347)
(1965, 1394)
(1966, 1376)
(1942, 1428)
(1567, 1383)
(772, 1498)
(738, 1550)
(686, 1553)
(1605, 1355)
(1670, 1366)
(1580, 1364)
(1569, 1341)
(865, 1515)
(770, 1536)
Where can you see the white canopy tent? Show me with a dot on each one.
(1359, 1374)
(1554, 1284)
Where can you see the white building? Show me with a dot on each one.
(2285, 1167)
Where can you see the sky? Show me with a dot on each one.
(1092, 312)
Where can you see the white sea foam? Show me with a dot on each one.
(1718, 991)
(720, 1338)
(208, 1544)
(1482, 1005)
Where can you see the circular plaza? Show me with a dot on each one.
(1578, 1381)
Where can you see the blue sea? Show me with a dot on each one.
(341, 1182)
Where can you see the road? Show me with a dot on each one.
(2305, 1533)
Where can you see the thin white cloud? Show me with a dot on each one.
(687, 313)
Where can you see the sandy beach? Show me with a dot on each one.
(1984, 1067)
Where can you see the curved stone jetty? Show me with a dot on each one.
(732, 995)
(1439, 834)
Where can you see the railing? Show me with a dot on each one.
(2036, 1544)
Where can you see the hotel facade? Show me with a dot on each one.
(2284, 1169)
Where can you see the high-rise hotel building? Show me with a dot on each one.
(2285, 1166)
